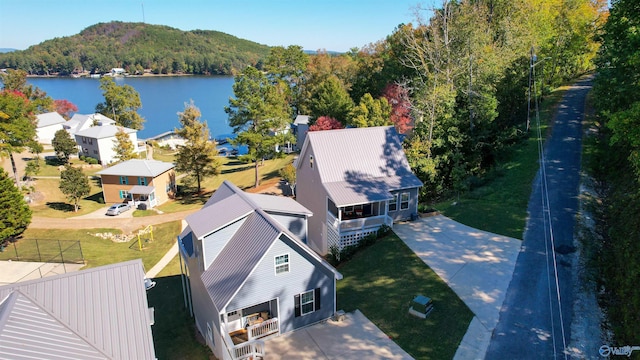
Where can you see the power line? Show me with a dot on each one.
(548, 220)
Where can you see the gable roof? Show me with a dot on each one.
(104, 131)
(358, 165)
(138, 167)
(80, 121)
(95, 313)
(279, 204)
(301, 119)
(242, 253)
(50, 118)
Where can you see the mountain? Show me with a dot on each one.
(6, 50)
(136, 47)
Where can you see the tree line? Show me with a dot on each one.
(615, 166)
(137, 47)
(456, 81)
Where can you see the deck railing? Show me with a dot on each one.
(263, 329)
(245, 350)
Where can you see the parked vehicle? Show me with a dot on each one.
(117, 209)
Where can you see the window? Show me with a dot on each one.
(124, 194)
(124, 180)
(210, 334)
(90, 141)
(152, 196)
(233, 316)
(84, 140)
(95, 152)
(404, 201)
(307, 302)
(393, 203)
(311, 161)
(282, 264)
(142, 180)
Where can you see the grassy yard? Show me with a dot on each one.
(56, 205)
(174, 331)
(98, 251)
(382, 279)
(502, 200)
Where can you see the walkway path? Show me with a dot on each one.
(475, 264)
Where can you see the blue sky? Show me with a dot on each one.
(335, 25)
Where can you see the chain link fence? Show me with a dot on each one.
(43, 250)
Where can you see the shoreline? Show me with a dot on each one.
(87, 76)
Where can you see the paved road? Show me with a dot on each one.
(530, 325)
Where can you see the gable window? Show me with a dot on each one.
(404, 200)
(311, 161)
(307, 302)
(124, 180)
(142, 180)
(393, 203)
(282, 264)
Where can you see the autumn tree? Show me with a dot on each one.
(288, 174)
(17, 125)
(65, 108)
(370, 112)
(123, 146)
(197, 157)
(15, 214)
(325, 123)
(121, 103)
(74, 184)
(258, 114)
(64, 145)
(398, 97)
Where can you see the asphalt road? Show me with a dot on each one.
(532, 323)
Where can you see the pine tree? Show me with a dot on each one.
(197, 157)
(74, 184)
(123, 146)
(15, 214)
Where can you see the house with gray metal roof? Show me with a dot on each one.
(248, 274)
(300, 128)
(354, 181)
(47, 125)
(98, 142)
(137, 181)
(99, 313)
(79, 122)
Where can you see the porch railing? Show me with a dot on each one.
(350, 232)
(245, 350)
(263, 329)
(365, 222)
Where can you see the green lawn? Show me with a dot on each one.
(174, 331)
(56, 205)
(98, 251)
(500, 205)
(383, 278)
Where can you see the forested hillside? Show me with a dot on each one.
(135, 47)
(616, 167)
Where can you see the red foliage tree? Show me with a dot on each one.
(65, 108)
(398, 97)
(325, 123)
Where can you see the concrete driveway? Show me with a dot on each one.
(354, 338)
(477, 266)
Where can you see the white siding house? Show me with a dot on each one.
(98, 142)
(48, 124)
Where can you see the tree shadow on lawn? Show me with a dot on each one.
(174, 332)
(97, 197)
(238, 169)
(190, 197)
(60, 206)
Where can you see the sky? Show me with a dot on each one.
(333, 25)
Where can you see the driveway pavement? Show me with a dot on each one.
(354, 338)
(477, 266)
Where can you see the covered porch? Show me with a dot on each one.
(143, 194)
(244, 330)
(348, 224)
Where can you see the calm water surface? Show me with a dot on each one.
(162, 98)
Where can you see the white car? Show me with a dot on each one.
(117, 209)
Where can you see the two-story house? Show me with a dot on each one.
(98, 142)
(149, 182)
(354, 181)
(248, 274)
(47, 125)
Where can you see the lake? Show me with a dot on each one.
(162, 98)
